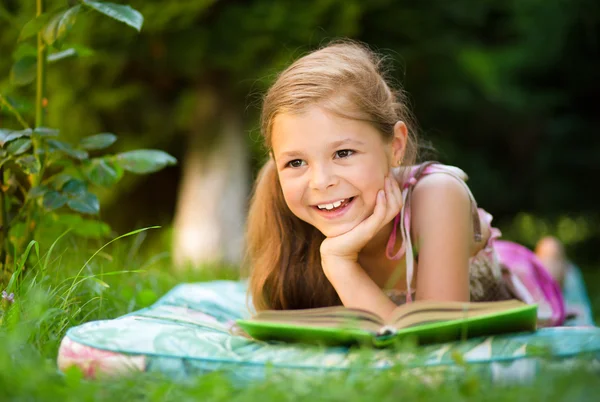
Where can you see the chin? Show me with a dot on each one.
(336, 230)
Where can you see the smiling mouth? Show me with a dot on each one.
(334, 206)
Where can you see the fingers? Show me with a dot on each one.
(393, 197)
(387, 206)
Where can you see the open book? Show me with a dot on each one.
(427, 321)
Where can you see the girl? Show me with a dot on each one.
(342, 215)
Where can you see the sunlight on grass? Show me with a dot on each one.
(72, 282)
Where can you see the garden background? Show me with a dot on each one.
(506, 90)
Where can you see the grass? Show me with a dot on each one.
(68, 287)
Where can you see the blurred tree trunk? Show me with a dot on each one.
(211, 207)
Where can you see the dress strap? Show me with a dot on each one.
(403, 219)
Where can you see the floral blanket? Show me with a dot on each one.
(187, 333)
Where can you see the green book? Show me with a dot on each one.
(427, 321)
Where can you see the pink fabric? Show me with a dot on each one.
(538, 283)
(93, 362)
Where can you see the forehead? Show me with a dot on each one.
(317, 128)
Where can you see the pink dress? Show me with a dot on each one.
(499, 271)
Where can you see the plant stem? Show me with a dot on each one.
(40, 100)
(40, 119)
(14, 111)
(4, 249)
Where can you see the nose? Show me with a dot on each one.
(322, 177)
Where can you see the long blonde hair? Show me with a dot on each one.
(282, 254)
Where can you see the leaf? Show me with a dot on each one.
(59, 26)
(74, 188)
(4, 135)
(46, 131)
(24, 49)
(68, 149)
(9, 135)
(37, 191)
(23, 71)
(53, 200)
(53, 57)
(98, 141)
(121, 13)
(19, 146)
(144, 160)
(72, 51)
(102, 172)
(86, 203)
(32, 27)
(29, 164)
(99, 281)
(59, 180)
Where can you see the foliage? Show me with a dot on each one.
(503, 89)
(46, 181)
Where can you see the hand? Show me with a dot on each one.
(349, 244)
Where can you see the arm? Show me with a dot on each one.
(442, 227)
(354, 287)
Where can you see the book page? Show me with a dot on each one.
(333, 317)
(408, 314)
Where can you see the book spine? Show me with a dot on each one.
(387, 330)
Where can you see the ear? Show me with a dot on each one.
(399, 142)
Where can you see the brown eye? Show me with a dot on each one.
(296, 163)
(344, 153)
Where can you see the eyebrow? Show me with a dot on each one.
(334, 144)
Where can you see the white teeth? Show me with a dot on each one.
(331, 206)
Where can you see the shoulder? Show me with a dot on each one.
(440, 187)
(440, 201)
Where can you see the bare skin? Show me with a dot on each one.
(552, 254)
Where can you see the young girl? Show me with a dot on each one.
(342, 215)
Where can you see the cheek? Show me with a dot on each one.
(292, 195)
(371, 181)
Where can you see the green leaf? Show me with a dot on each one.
(98, 141)
(86, 203)
(53, 57)
(24, 49)
(32, 27)
(10, 135)
(67, 149)
(74, 188)
(59, 26)
(103, 172)
(4, 135)
(144, 160)
(59, 180)
(121, 13)
(38, 191)
(19, 146)
(46, 131)
(29, 164)
(23, 71)
(72, 51)
(53, 200)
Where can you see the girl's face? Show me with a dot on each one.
(330, 168)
